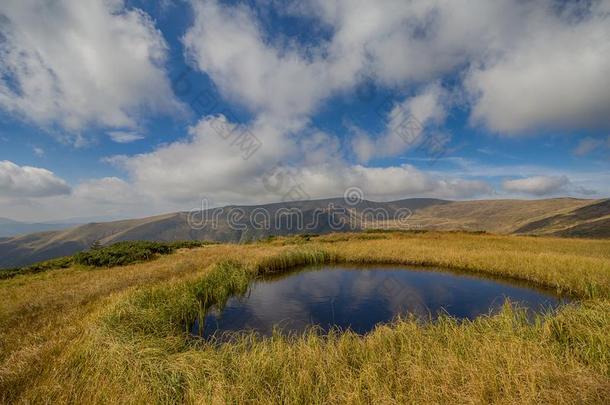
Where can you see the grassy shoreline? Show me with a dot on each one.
(121, 337)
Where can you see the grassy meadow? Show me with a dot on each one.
(85, 334)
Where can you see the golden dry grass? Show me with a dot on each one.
(117, 335)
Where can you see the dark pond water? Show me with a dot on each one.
(358, 298)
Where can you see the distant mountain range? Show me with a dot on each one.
(9, 227)
(564, 217)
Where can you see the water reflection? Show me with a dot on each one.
(358, 298)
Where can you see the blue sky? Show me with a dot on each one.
(100, 110)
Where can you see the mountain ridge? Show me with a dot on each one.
(562, 217)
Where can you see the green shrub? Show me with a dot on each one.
(123, 253)
(117, 254)
(59, 263)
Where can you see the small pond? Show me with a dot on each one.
(359, 298)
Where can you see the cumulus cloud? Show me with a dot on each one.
(108, 197)
(75, 64)
(517, 66)
(385, 183)
(212, 160)
(208, 164)
(536, 185)
(551, 75)
(228, 44)
(407, 123)
(529, 65)
(526, 65)
(25, 181)
(286, 80)
(108, 190)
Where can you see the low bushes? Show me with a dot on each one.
(53, 264)
(117, 254)
(124, 253)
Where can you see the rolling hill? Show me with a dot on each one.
(565, 217)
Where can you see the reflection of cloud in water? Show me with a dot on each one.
(359, 299)
(291, 298)
(403, 298)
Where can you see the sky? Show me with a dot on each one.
(118, 109)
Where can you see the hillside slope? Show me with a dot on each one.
(557, 217)
(511, 216)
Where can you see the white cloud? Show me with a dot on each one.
(387, 183)
(277, 76)
(519, 66)
(527, 65)
(25, 181)
(124, 136)
(407, 124)
(537, 185)
(227, 43)
(80, 63)
(530, 65)
(552, 75)
(107, 191)
(108, 197)
(209, 165)
(583, 182)
(210, 161)
(38, 151)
